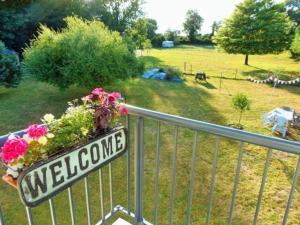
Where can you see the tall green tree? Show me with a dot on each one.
(215, 27)
(295, 47)
(256, 27)
(118, 15)
(151, 28)
(138, 32)
(293, 10)
(192, 24)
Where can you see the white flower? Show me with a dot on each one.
(27, 138)
(43, 140)
(50, 135)
(48, 118)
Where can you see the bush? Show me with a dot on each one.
(241, 103)
(10, 75)
(172, 72)
(85, 53)
(295, 47)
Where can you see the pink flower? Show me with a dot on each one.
(123, 111)
(86, 98)
(13, 149)
(111, 98)
(117, 95)
(37, 131)
(97, 91)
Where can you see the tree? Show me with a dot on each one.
(147, 45)
(255, 27)
(10, 75)
(85, 53)
(295, 47)
(241, 103)
(192, 24)
(172, 35)
(293, 10)
(138, 32)
(151, 28)
(118, 15)
(215, 27)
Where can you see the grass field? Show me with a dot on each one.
(198, 100)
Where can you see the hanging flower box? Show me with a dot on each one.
(50, 157)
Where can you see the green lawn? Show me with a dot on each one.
(198, 100)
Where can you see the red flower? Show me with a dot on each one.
(37, 131)
(13, 149)
(111, 98)
(123, 111)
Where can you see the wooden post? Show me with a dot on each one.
(220, 86)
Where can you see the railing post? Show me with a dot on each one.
(1, 217)
(139, 170)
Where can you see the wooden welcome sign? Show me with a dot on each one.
(46, 179)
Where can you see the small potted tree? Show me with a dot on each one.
(241, 103)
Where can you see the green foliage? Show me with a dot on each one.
(158, 39)
(293, 10)
(10, 75)
(20, 20)
(295, 47)
(118, 15)
(256, 27)
(85, 53)
(192, 24)
(241, 103)
(172, 72)
(71, 129)
(172, 35)
(138, 32)
(151, 28)
(147, 44)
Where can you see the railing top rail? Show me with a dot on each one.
(239, 135)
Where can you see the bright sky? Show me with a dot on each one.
(171, 13)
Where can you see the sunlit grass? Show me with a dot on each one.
(198, 100)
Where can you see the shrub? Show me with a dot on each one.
(172, 72)
(10, 75)
(241, 103)
(295, 47)
(85, 53)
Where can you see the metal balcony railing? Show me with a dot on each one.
(136, 211)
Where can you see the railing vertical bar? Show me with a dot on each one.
(88, 203)
(213, 178)
(292, 191)
(72, 208)
(139, 169)
(173, 182)
(110, 188)
(156, 173)
(101, 193)
(192, 178)
(52, 211)
(1, 217)
(29, 216)
(262, 186)
(128, 165)
(236, 181)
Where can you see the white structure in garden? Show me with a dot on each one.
(168, 44)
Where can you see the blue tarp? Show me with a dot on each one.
(158, 75)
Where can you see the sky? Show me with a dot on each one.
(170, 14)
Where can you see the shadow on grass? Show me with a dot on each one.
(206, 84)
(262, 74)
